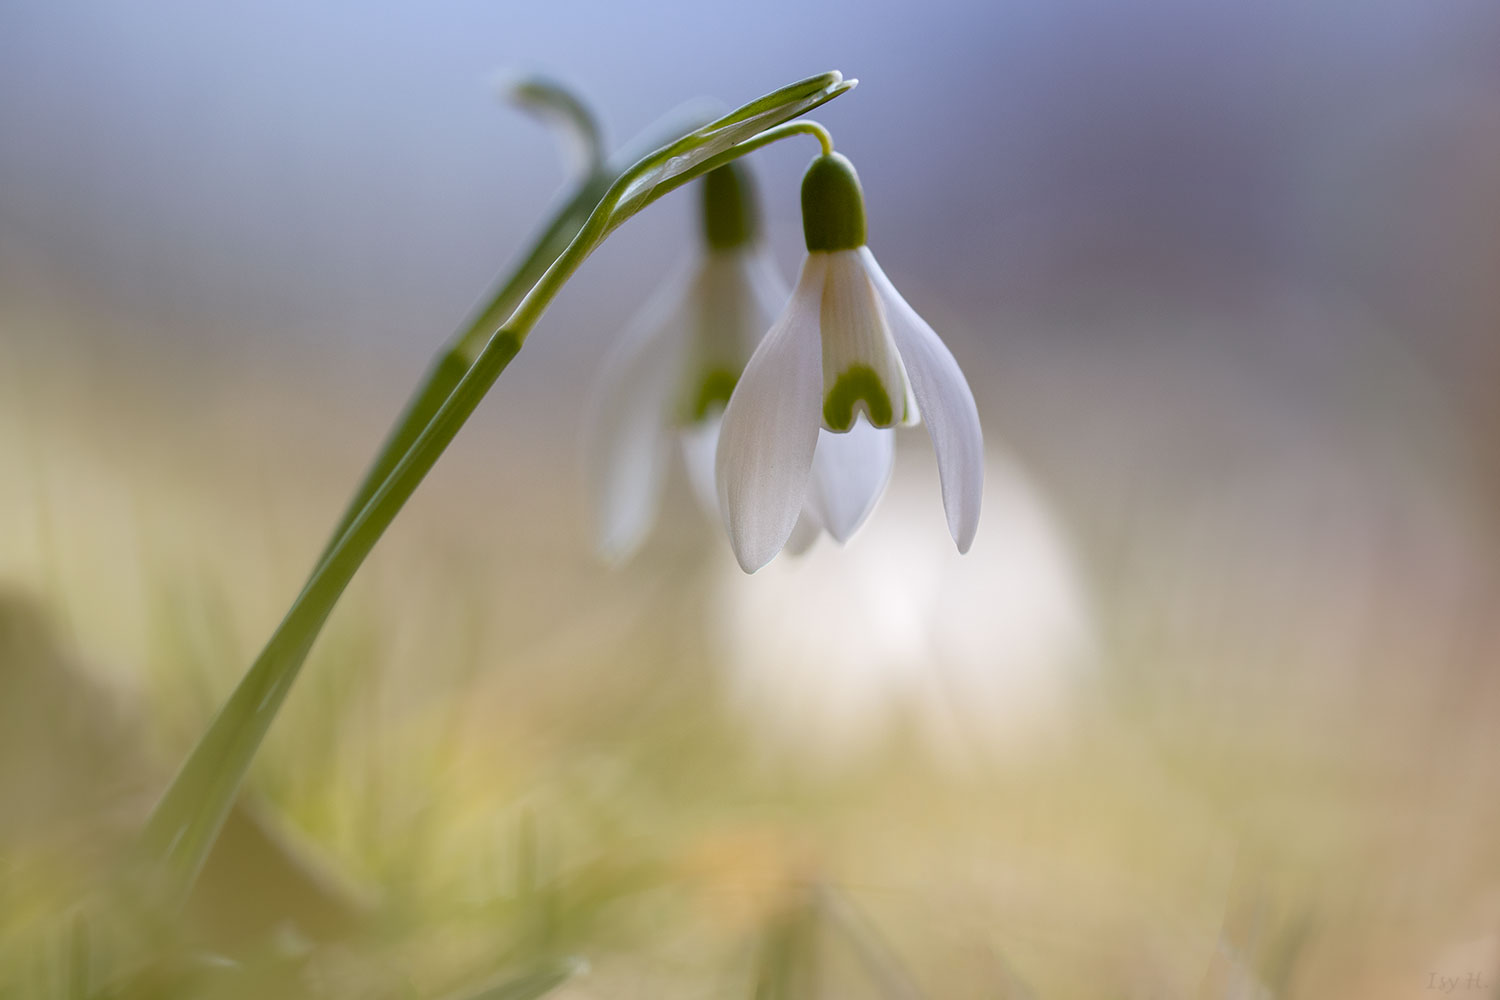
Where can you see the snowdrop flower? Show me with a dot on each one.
(676, 364)
(850, 357)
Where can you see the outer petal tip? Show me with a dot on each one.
(946, 405)
(750, 562)
(965, 540)
(963, 512)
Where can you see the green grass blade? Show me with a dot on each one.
(184, 824)
(530, 985)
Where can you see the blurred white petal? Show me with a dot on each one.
(805, 534)
(700, 442)
(981, 654)
(735, 301)
(946, 405)
(626, 437)
(764, 278)
(850, 472)
(770, 429)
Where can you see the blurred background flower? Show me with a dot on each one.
(1209, 707)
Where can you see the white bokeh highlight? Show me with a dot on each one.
(979, 654)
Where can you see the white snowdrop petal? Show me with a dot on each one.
(805, 535)
(946, 404)
(626, 443)
(850, 472)
(770, 429)
(700, 442)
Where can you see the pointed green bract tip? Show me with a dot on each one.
(557, 105)
(858, 382)
(731, 217)
(833, 205)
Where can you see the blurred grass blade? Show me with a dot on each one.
(538, 902)
(787, 968)
(77, 958)
(884, 967)
(530, 985)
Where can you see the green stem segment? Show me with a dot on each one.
(185, 823)
(454, 359)
(448, 368)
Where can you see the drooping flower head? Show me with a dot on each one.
(811, 421)
(666, 384)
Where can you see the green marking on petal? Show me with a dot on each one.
(713, 393)
(858, 382)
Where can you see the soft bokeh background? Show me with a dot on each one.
(1209, 711)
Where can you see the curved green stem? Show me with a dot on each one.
(448, 366)
(552, 101)
(770, 135)
(184, 824)
(446, 369)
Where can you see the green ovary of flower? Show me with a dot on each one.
(712, 395)
(858, 382)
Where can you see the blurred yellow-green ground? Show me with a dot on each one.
(1209, 711)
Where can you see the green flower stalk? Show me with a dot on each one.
(664, 386)
(183, 826)
(554, 104)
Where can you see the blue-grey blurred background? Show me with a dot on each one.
(1225, 279)
(336, 183)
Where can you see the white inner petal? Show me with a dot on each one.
(862, 371)
(850, 472)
